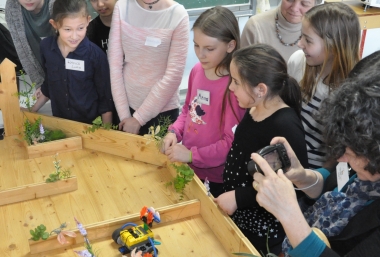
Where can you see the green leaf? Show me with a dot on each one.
(42, 227)
(97, 121)
(45, 236)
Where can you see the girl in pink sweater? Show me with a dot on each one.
(147, 50)
(206, 123)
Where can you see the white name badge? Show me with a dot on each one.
(72, 64)
(203, 97)
(342, 174)
(152, 41)
(234, 129)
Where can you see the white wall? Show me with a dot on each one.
(371, 43)
(2, 3)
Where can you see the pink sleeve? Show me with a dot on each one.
(216, 154)
(116, 60)
(163, 91)
(179, 125)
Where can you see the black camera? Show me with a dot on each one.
(275, 155)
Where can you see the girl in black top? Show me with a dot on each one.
(260, 81)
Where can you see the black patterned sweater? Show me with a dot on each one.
(251, 136)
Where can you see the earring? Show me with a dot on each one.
(259, 96)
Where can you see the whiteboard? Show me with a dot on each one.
(190, 4)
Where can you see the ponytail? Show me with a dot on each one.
(291, 94)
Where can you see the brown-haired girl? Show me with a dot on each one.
(260, 82)
(206, 123)
(77, 79)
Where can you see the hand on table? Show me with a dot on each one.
(227, 202)
(37, 93)
(169, 140)
(178, 153)
(130, 125)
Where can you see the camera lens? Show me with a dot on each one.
(253, 167)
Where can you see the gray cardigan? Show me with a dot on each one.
(15, 23)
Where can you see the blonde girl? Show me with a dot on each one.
(330, 49)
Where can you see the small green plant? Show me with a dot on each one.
(158, 133)
(184, 176)
(97, 124)
(59, 173)
(27, 96)
(39, 233)
(34, 133)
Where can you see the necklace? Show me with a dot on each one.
(280, 37)
(152, 3)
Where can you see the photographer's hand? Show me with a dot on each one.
(296, 171)
(297, 174)
(275, 191)
(276, 194)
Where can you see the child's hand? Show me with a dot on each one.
(178, 153)
(37, 93)
(227, 202)
(169, 140)
(130, 125)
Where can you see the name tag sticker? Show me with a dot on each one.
(342, 174)
(234, 129)
(72, 64)
(203, 97)
(152, 41)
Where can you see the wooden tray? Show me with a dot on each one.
(117, 174)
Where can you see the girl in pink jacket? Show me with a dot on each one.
(206, 123)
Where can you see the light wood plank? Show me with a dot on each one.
(53, 147)
(9, 103)
(37, 190)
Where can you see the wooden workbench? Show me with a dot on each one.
(117, 173)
